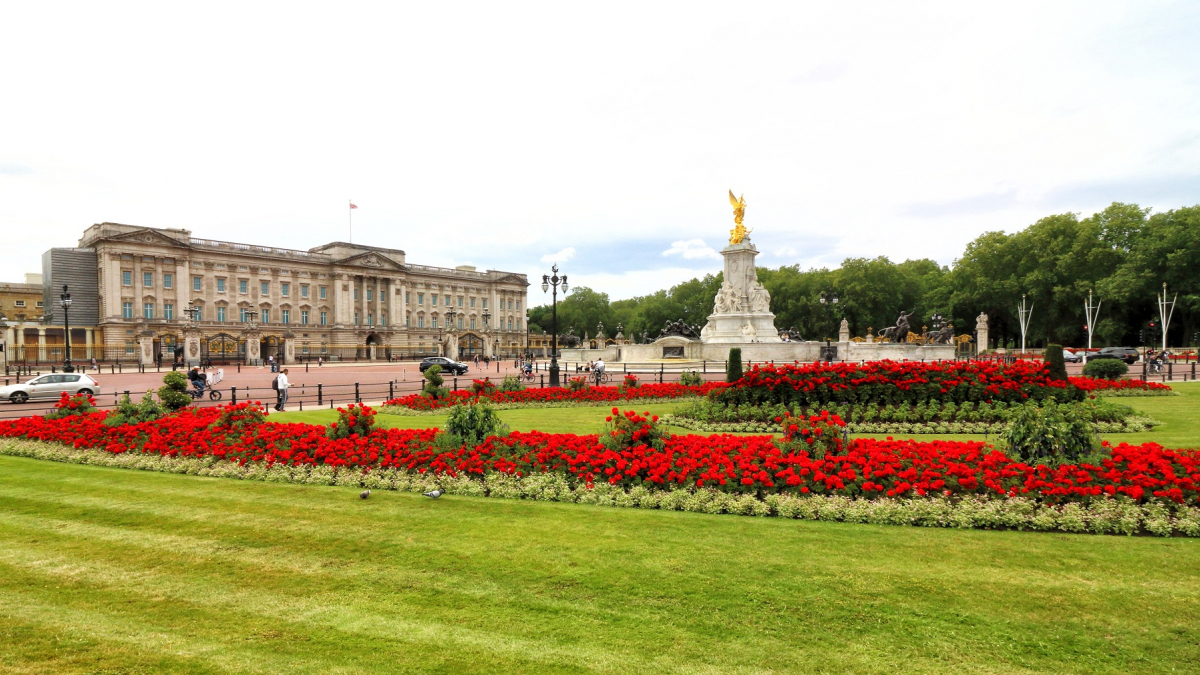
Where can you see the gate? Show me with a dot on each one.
(222, 349)
(469, 344)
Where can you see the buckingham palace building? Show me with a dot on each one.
(150, 294)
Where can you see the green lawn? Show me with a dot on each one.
(120, 571)
(1180, 416)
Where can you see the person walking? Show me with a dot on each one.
(281, 387)
(94, 365)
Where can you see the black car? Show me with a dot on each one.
(1126, 354)
(448, 365)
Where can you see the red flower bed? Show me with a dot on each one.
(640, 456)
(895, 382)
(1094, 384)
(556, 394)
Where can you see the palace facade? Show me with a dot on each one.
(249, 302)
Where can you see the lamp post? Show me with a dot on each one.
(527, 352)
(65, 301)
(830, 299)
(1092, 312)
(487, 339)
(552, 282)
(1023, 313)
(451, 328)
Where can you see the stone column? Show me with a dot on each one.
(87, 341)
(289, 347)
(378, 302)
(981, 333)
(146, 348)
(191, 345)
(41, 344)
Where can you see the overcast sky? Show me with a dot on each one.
(508, 135)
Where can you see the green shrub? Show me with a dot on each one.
(173, 393)
(577, 384)
(1056, 364)
(512, 383)
(128, 412)
(733, 372)
(1108, 369)
(474, 423)
(629, 429)
(237, 417)
(1049, 432)
(690, 378)
(433, 382)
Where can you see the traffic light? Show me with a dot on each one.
(1142, 336)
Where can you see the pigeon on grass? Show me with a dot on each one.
(364, 494)
(434, 494)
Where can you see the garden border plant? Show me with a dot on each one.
(637, 457)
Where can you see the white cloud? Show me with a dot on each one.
(561, 256)
(692, 249)
(786, 252)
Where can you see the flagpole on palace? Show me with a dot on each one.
(350, 216)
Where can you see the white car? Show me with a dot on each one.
(50, 387)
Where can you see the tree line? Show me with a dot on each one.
(1123, 254)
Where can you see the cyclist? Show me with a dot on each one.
(598, 370)
(197, 379)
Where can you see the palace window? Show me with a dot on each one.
(369, 295)
(472, 323)
(148, 279)
(356, 318)
(460, 301)
(20, 303)
(221, 314)
(148, 310)
(126, 278)
(245, 314)
(433, 299)
(323, 292)
(129, 347)
(420, 322)
(286, 315)
(472, 303)
(518, 305)
(243, 286)
(304, 290)
(304, 317)
(265, 316)
(420, 298)
(356, 292)
(168, 280)
(197, 284)
(265, 288)
(510, 305)
(434, 322)
(446, 300)
(126, 310)
(168, 311)
(284, 289)
(220, 284)
(485, 303)
(460, 323)
(383, 318)
(324, 318)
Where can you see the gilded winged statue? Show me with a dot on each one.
(738, 233)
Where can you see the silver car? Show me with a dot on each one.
(50, 387)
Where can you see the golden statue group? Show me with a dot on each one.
(738, 233)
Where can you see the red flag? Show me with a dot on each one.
(352, 205)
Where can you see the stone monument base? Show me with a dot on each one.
(740, 327)
(669, 348)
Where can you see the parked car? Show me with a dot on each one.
(1127, 354)
(448, 365)
(1071, 357)
(50, 386)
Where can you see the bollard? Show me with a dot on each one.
(455, 383)
(233, 393)
(1170, 370)
(391, 389)
(543, 384)
(301, 405)
(306, 366)
(357, 398)
(319, 394)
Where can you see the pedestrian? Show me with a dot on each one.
(476, 361)
(94, 366)
(320, 361)
(281, 387)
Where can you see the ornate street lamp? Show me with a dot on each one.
(450, 316)
(65, 301)
(829, 298)
(192, 312)
(554, 282)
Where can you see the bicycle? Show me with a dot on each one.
(527, 375)
(601, 377)
(197, 394)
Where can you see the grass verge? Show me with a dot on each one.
(127, 571)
